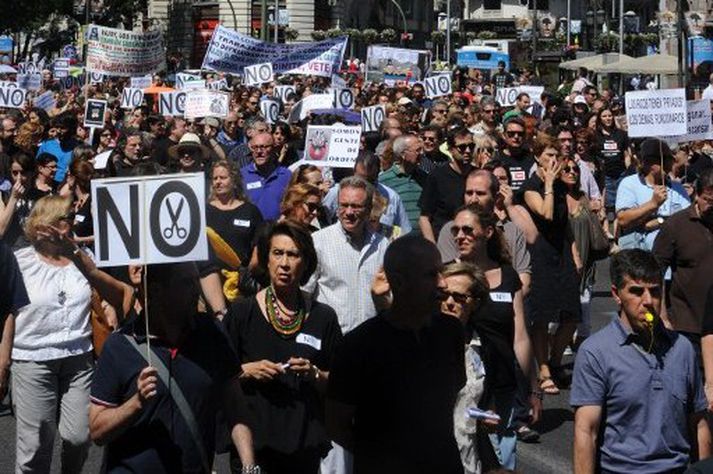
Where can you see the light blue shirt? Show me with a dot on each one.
(634, 192)
(394, 215)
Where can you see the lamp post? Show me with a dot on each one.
(621, 27)
(448, 32)
(403, 16)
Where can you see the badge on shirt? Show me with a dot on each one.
(501, 297)
(241, 223)
(309, 340)
(518, 175)
(78, 218)
(254, 185)
(610, 146)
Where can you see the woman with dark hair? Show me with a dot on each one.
(611, 147)
(282, 136)
(500, 323)
(285, 341)
(16, 204)
(46, 169)
(104, 139)
(554, 293)
(79, 181)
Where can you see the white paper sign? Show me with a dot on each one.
(270, 110)
(535, 93)
(438, 86)
(343, 98)
(12, 97)
(656, 113)
(96, 77)
(698, 123)
(183, 78)
(172, 103)
(131, 98)
(141, 82)
(336, 146)
(206, 103)
(312, 102)
(188, 86)
(507, 96)
(258, 74)
(371, 118)
(45, 101)
(8, 84)
(281, 92)
(31, 82)
(149, 219)
(61, 67)
(220, 85)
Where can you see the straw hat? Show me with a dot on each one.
(189, 140)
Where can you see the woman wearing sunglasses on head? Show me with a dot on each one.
(499, 321)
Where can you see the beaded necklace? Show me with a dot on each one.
(283, 329)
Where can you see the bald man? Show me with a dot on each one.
(263, 179)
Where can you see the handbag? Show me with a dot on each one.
(599, 245)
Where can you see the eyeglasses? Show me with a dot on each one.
(348, 205)
(514, 133)
(460, 298)
(253, 103)
(311, 206)
(488, 150)
(426, 138)
(571, 169)
(261, 147)
(465, 146)
(467, 230)
(488, 111)
(440, 111)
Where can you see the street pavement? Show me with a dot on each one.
(552, 455)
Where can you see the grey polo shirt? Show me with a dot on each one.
(645, 398)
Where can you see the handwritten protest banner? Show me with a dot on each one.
(230, 51)
(206, 103)
(388, 65)
(150, 219)
(124, 53)
(698, 123)
(656, 112)
(336, 146)
(45, 101)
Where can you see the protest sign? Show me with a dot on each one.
(371, 118)
(698, 123)
(131, 98)
(150, 219)
(141, 82)
(8, 84)
(230, 51)
(188, 86)
(385, 64)
(258, 74)
(206, 103)
(220, 85)
(94, 111)
(45, 101)
(96, 77)
(338, 82)
(281, 92)
(31, 82)
(654, 113)
(535, 93)
(12, 97)
(438, 86)
(336, 146)
(124, 53)
(343, 98)
(315, 101)
(172, 103)
(270, 110)
(61, 67)
(506, 96)
(183, 78)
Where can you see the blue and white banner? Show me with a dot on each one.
(230, 51)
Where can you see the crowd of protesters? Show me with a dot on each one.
(347, 320)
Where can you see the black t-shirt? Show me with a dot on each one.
(159, 440)
(288, 411)
(495, 324)
(443, 195)
(83, 223)
(238, 227)
(610, 150)
(403, 386)
(518, 167)
(502, 79)
(555, 231)
(707, 327)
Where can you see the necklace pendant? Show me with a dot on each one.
(62, 297)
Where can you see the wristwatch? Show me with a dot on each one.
(660, 220)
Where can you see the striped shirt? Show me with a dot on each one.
(408, 188)
(345, 273)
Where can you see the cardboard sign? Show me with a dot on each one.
(131, 98)
(45, 101)
(172, 103)
(61, 68)
(193, 85)
(183, 78)
(258, 74)
(371, 118)
(206, 103)
(220, 85)
(438, 86)
(698, 122)
(270, 110)
(281, 92)
(336, 146)
(654, 113)
(507, 96)
(31, 82)
(117, 52)
(343, 98)
(150, 219)
(94, 111)
(142, 82)
(12, 97)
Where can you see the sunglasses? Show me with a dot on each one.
(465, 146)
(460, 298)
(429, 139)
(488, 150)
(68, 217)
(467, 230)
(571, 169)
(488, 111)
(312, 206)
(513, 134)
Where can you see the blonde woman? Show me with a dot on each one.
(52, 362)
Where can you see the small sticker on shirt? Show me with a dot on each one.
(611, 146)
(309, 340)
(78, 218)
(241, 223)
(254, 185)
(501, 297)
(518, 175)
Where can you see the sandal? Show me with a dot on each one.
(548, 386)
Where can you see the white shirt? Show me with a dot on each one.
(56, 322)
(345, 273)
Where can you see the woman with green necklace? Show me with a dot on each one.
(285, 343)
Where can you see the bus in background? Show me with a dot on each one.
(484, 58)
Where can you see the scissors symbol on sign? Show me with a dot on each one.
(179, 231)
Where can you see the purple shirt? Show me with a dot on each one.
(266, 192)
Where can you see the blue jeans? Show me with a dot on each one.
(505, 440)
